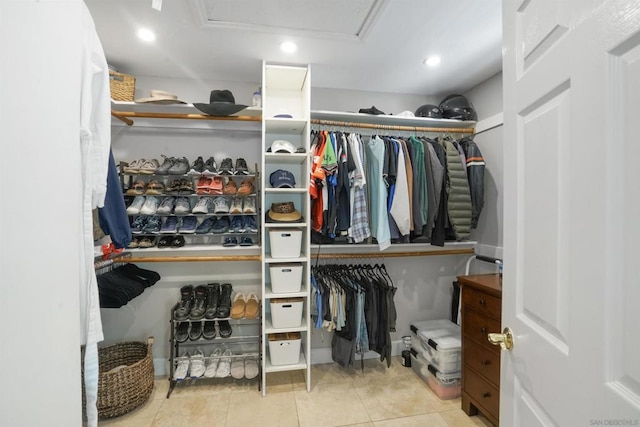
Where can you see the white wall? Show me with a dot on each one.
(39, 213)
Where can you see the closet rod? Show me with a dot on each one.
(394, 254)
(390, 127)
(196, 258)
(125, 116)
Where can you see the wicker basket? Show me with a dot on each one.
(124, 389)
(123, 86)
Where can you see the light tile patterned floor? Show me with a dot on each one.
(379, 397)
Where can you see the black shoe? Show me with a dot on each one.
(199, 303)
(241, 167)
(225, 328)
(224, 307)
(196, 331)
(186, 302)
(213, 299)
(164, 242)
(182, 332)
(372, 110)
(177, 242)
(197, 167)
(210, 167)
(226, 167)
(209, 330)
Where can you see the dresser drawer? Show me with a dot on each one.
(484, 361)
(486, 395)
(483, 303)
(476, 326)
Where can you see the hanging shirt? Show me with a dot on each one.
(400, 209)
(379, 222)
(359, 230)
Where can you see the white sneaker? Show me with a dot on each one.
(236, 206)
(182, 206)
(212, 366)
(150, 205)
(197, 367)
(134, 207)
(237, 368)
(224, 368)
(250, 368)
(249, 205)
(203, 205)
(220, 205)
(182, 369)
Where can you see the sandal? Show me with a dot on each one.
(155, 187)
(174, 187)
(186, 186)
(137, 187)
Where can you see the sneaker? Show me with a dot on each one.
(148, 167)
(214, 360)
(153, 225)
(202, 187)
(209, 330)
(182, 332)
(146, 242)
(237, 368)
(205, 226)
(225, 328)
(203, 206)
(230, 242)
(237, 224)
(186, 302)
(246, 187)
(250, 225)
(236, 206)
(226, 167)
(173, 187)
(249, 205)
(180, 167)
(170, 225)
(134, 207)
(164, 241)
(155, 187)
(177, 242)
(220, 205)
(199, 303)
(189, 224)
(245, 241)
(197, 167)
(213, 299)
(224, 366)
(210, 167)
(182, 206)
(215, 185)
(196, 364)
(182, 368)
(138, 224)
(221, 225)
(241, 167)
(133, 243)
(250, 368)
(150, 205)
(196, 331)
(163, 169)
(166, 206)
(224, 306)
(133, 167)
(186, 186)
(230, 188)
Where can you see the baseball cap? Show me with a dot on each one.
(282, 179)
(282, 146)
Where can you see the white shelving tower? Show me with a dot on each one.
(286, 90)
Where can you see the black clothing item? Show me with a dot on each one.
(475, 175)
(119, 286)
(343, 191)
(372, 110)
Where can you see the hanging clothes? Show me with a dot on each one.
(459, 198)
(475, 175)
(378, 194)
(359, 230)
(113, 216)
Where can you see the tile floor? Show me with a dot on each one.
(379, 397)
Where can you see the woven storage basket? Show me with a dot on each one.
(122, 390)
(123, 86)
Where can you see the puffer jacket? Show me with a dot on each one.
(459, 198)
(475, 175)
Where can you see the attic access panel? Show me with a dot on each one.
(338, 18)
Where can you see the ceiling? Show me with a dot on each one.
(376, 45)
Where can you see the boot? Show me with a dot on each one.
(224, 307)
(186, 301)
(199, 303)
(213, 299)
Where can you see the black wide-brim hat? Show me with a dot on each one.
(221, 103)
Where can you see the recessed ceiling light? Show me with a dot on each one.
(288, 47)
(146, 35)
(432, 61)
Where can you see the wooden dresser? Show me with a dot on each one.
(481, 312)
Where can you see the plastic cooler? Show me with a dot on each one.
(284, 348)
(285, 278)
(438, 342)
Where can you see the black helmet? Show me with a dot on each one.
(458, 107)
(429, 110)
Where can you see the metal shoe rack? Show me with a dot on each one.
(244, 342)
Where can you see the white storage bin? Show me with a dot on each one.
(438, 342)
(285, 242)
(284, 349)
(445, 386)
(285, 278)
(286, 312)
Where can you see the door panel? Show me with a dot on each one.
(571, 279)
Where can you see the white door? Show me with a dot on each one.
(571, 285)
